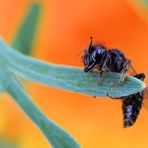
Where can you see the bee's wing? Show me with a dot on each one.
(131, 106)
(145, 103)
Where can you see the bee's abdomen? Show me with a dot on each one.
(131, 107)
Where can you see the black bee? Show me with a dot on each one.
(97, 56)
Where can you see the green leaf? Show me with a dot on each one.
(24, 38)
(1, 88)
(56, 136)
(70, 78)
(145, 2)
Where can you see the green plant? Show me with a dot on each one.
(15, 66)
(9, 83)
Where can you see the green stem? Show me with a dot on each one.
(56, 136)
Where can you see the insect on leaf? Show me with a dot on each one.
(69, 78)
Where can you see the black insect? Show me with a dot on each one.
(114, 60)
(97, 56)
(131, 105)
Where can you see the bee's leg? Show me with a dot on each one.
(120, 82)
(133, 69)
(109, 96)
(100, 77)
(104, 68)
(124, 73)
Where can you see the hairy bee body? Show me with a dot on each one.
(114, 60)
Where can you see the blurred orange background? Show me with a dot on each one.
(64, 30)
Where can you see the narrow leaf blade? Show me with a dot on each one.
(24, 38)
(55, 135)
(69, 78)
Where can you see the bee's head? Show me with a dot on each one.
(89, 63)
(93, 55)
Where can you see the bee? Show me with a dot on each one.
(114, 60)
(103, 59)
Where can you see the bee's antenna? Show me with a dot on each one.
(91, 41)
(91, 38)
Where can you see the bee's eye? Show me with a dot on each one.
(100, 50)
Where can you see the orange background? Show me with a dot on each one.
(64, 30)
